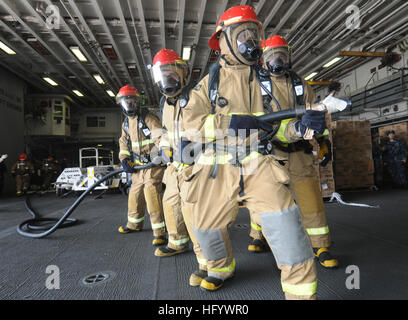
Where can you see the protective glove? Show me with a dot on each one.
(166, 154)
(247, 122)
(3, 157)
(313, 120)
(128, 165)
(325, 153)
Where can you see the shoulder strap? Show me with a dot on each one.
(162, 102)
(264, 80)
(185, 94)
(297, 88)
(214, 80)
(142, 124)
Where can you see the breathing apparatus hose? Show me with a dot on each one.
(37, 223)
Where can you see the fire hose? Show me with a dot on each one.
(29, 227)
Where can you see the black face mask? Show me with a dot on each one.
(169, 86)
(278, 67)
(250, 51)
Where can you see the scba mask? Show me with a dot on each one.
(170, 78)
(244, 41)
(130, 105)
(277, 60)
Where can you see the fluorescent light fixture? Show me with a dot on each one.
(310, 76)
(99, 79)
(111, 94)
(78, 93)
(330, 63)
(78, 53)
(186, 53)
(6, 49)
(50, 81)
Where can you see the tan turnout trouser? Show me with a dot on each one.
(273, 208)
(146, 190)
(177, 214)
(304, 184)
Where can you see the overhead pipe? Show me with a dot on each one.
(351, 31)
(332, 50)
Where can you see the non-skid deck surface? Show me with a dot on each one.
(374, 240)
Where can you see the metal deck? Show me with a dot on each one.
(375, 240)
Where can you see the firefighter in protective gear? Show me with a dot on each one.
(141, 132)
(225, 172)
(304, 182)
(170, 74)
(49, 172)
(22, 171)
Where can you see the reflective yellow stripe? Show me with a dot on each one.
(326, 132)
(158, 225)
(320, 251)
(230, 268)
(179, 242)
(281, 132)
(210, 160)
(124, 152)
(228, 22)
(202, 261)
(317, 231)
(179, 165)
(209, 127)
(255, 114)
(134, 220)
(303, 289)
(146, 142)
(255, 226)
(253, 155)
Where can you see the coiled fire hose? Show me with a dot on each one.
(28, 227)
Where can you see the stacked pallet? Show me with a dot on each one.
(353, 160)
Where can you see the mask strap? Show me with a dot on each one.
(231, 50)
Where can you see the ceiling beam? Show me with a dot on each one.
(273, 12)
(93, 39)
(311, 9)
(259, 6)
(68, 53)
(24, 76)
(112, 40)
(131, 44)
(285, 18)
(146, 44)
(108, 78)
(29, 48)
(321, 83)
(15, 14)
(362, 54)
(197, 35)
(181, 27)
(162, 23)
(209, 50)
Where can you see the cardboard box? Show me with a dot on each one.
(353, 161)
